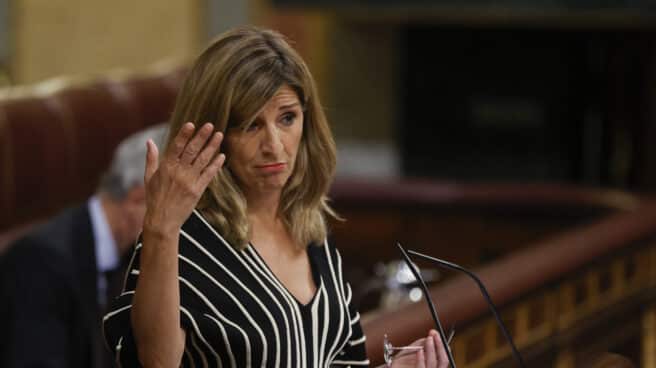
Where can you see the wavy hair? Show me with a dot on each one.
(228, 85)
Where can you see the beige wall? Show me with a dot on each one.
(363, 100)
(355, 66)
(307, 29)
(81, 37)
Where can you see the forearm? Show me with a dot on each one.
(155, 309)
(172, 192)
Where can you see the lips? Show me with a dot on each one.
(277, 164)
(271, 168)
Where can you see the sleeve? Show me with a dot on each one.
(117, 327)
(354, 352)
(36, 307)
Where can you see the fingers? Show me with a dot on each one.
(442, 357)
(419, 342)
(208, 152)
(151, 160)
(421, 359)
(197, 154)
(180, 141)
(195, 145)
(431, 355)
(210, 171)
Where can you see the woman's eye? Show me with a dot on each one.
(288, 119)
(251, 128)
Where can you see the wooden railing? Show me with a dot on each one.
(470, 224)
(565, 299)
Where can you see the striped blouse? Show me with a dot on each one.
(236, 313)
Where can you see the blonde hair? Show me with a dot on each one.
(228, 85)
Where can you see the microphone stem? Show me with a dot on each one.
(486, 295)
(436, 318)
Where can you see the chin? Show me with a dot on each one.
(273, 183)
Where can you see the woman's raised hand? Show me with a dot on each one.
(174, 185)
(432, 355)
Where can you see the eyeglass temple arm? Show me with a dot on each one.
(436, 318)
(406, 348)
(486, 295)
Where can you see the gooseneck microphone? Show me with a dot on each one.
(486, 295)
(436, 318)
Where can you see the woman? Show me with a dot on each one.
(232, 268)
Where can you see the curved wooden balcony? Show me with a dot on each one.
(567, 296)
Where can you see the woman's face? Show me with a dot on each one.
(262, 156)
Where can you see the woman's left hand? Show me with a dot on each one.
(432, 355)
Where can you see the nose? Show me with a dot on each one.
(271, 142)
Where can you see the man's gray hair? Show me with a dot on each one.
(129, 161)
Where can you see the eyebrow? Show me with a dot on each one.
(281, 108)
(289, 106)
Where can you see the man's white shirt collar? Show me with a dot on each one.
(107, 257)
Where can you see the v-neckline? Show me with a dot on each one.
(316, 277)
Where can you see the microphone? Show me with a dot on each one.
(431, 306)
(486, 295)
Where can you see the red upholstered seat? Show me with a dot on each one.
(37, 153)
(99, 121)
(54, 145)
(152, 97)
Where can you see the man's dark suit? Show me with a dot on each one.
(49, 313)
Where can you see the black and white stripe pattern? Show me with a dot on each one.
(238, 314)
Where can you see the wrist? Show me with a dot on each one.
(159, 246)
(158, 227)
(159, 231)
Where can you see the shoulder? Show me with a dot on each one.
(197, 233)
(325, 252)
(37, 259)
(322, 249)
(329, 248)
(49, 250)
(51, 240)
(59, 231)
(197, 227)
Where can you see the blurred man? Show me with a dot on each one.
(56, 281)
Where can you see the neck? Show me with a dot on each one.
(268, 230)
(264, 206)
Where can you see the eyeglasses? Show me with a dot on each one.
(389, 350)
(431, 306)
